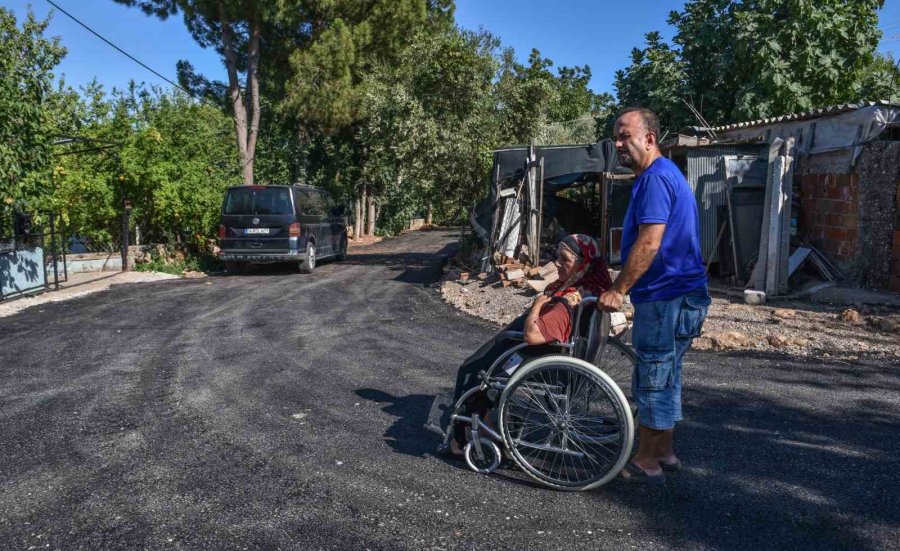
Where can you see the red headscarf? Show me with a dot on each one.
(590, 276)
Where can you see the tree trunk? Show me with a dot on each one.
(429, 215)
(239, 102)
(370, 216)
(362, 211)
(358, 216)
(252, 95)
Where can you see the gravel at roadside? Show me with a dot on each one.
(841, 332)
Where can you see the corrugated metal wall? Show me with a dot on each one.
(705, 172)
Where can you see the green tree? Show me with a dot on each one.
(27, 59)
(172, 157)
(882, 80)
(327, 91)
(240, 31)
(656, 80)
(430, 126)
(756, 58)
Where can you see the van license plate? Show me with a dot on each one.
(256, 231)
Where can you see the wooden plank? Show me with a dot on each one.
(537, 284)
(510, 266)
(547, 269)
(515, 274)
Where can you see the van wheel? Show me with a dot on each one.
(234, 268)
(309, 263)
(342, 254)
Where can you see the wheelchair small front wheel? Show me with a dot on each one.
(489, 460)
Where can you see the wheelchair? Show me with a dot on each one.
(561, 418)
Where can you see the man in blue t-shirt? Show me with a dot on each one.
(665, 275)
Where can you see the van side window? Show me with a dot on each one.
(310, 203)
(327, 203)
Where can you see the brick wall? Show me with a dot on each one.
(829, 214)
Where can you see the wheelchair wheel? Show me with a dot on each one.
(566, 423)
(618, 361)
(489, 461)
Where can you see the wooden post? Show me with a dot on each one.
(787, 191)
(604, 216)
(758, 277)
(774, 237)
(536, 259)
(531, 234)
(487, 263)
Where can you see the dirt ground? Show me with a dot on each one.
(856, 324)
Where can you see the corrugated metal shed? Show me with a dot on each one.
(707, 173)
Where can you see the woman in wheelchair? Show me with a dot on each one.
(582, 272)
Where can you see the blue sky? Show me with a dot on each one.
(599, 33)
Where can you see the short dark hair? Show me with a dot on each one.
(648, 117)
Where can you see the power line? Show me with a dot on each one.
(123, 52)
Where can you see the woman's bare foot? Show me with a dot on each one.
(454, 448)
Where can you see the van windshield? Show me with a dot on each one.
(258, 201)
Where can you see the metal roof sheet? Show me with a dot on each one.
(831, 110)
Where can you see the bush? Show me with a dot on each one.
(173, 259)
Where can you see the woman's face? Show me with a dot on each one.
(566, 262)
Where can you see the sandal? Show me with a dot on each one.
(671, 467)
(640, 476)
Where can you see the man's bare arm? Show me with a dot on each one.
(640, 257)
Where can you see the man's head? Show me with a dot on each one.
(637, 134)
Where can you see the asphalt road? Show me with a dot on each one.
(279, 410)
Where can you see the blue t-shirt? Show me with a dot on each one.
(661, 195)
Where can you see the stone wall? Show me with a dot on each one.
(878, 169)
(851, 212)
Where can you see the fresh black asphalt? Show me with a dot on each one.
(284, 411)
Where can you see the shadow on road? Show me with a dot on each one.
(773, 465)
(406, 435)
(415, 267)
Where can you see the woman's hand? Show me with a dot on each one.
(574, 298)
(539, 302)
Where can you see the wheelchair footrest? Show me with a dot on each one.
(439, 416)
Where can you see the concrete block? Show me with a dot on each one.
(754, 297)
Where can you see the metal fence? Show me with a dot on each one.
(33, 259)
